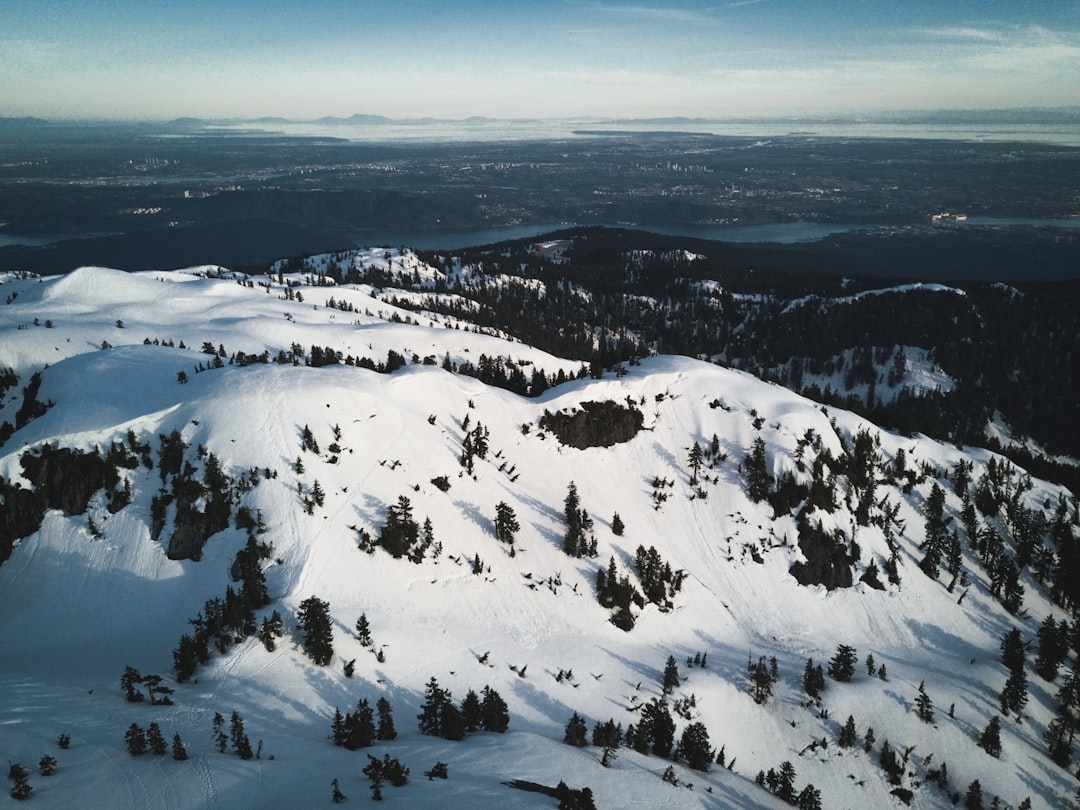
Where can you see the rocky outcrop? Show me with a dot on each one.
(597, 424)
(827, 562)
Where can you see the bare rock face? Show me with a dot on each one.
(827, 561)
(597, 424)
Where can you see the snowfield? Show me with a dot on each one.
(76, 609)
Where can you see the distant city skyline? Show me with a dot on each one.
(542, 59)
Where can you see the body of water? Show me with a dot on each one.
(430, 131)
(783, 233)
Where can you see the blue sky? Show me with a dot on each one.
(544, 58)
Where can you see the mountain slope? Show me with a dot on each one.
(76, 609)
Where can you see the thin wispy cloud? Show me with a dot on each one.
(971, 34)
(654, 12)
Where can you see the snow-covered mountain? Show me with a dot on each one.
(203, 393)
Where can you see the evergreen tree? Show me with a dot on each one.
(924, 707)
(336, 796)
(240, 743)
(1053, 648)
(359, 726)
(179, 753)
(617, 526)
(973, 799)
(848, 734)
(471, 714)
(1012, 650)
(221, 742)
(494, 712)
(155, 740)
(671, 675)
(694, 747)
(869, 739)
(694, 461)
(813, 679)
(936, 534)
(756, 471)
(656, 729)
(47, 765)
(890, 763)
(1015, 694)
(761, 681)
(386, 730)
(363, 631)
(506, 523)
(785, 785)
(990, 739)
(575, 731)
(128, 681)
(374, 772)
(433, 709)
(21, 788)
(135, 738)
(313, 618)
(842, 665)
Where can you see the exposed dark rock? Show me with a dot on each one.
(826, 555)
(597, 424)
(67, 478)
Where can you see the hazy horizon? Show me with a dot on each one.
(108, 59)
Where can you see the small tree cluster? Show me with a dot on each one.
(155, 691)
(658, 582)
(439, 717)
(762, 677)
(618, 593)
(578, 540)
(358, 729)
(782, 785)
(388, 769)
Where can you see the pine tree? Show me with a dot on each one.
(386, 730)
(990, 739)
(363, 631)
(433, 709)
(1053, 648)
(813, 680)
(313, 618)
(221, 742)
(757, 473)
(241, 744)
(1014, 695)
(842, 665)
(506, 523)
(575, 731)
(336, 796)
(471, 715)
(848, 735)
(179, 753)
(869, 739)
(694, 747)
(128, 681)
(47, 765)
(936, 534)
(493, 710)
(671, 675)
(617, 526)
(924, 707)
(1012, 650)
(135, 738)
(21, 788)
(694, 461)
(973, 799)
(156, 740)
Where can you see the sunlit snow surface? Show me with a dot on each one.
(74, 611)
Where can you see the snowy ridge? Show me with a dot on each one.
(75, 609)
